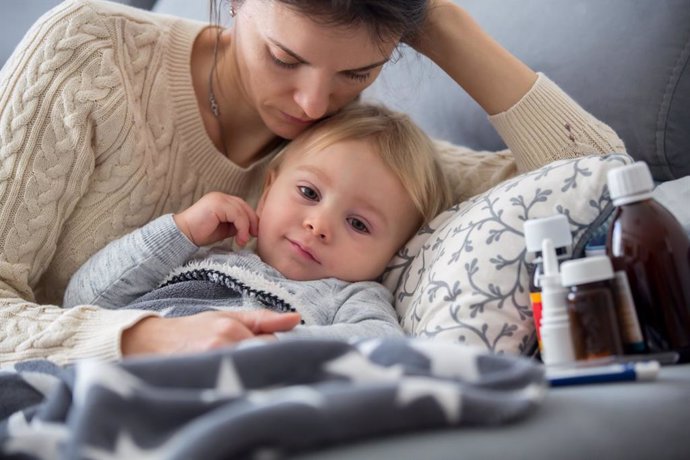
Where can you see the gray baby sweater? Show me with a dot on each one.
(158, 268)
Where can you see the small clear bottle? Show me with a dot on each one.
(591, 307)
(557, 229)
(650, 245)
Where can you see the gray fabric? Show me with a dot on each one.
(630, 420)
(146, 269)
(258, 398)
(624, 61)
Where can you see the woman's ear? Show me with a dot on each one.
(268, 182)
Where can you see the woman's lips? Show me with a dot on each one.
(299, 121)
(304, 251)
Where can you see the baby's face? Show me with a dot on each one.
(339, 212)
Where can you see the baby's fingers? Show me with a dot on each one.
(245, 222)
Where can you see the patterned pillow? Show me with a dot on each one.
(464, 277)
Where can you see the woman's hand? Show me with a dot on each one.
(202, 332)
(490, 74)
(217, 216)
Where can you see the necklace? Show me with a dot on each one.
(213, 102)
(211, 96)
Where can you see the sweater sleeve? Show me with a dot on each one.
(51, 90)
(365, 310)
(130, 266)
(544, 126)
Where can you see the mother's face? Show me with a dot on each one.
(294, 71)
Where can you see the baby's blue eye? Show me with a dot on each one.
(358, 225)
(308, 193)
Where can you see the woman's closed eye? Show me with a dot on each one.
(358, 76)
(352, 75)
(280, 63)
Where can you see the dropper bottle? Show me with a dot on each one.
(557, 229)
(556, 337)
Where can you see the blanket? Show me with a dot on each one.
(258, 399)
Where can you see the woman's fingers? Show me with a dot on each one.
(202, 332)
(267, 322)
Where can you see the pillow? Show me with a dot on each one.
(464, 277)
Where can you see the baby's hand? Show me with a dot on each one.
(217, 216)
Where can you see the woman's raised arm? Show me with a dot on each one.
(494, 78)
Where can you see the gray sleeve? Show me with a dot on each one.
(130, 266)
(365, 311)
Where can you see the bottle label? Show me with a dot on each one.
(631, 333)
(535, 301)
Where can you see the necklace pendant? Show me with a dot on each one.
(214, 105)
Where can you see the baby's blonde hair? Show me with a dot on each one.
(404, 148)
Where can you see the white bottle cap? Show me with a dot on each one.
(647, 370)
(554, 228)
(630, 183)
(586, 270)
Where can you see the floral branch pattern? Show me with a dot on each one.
(465, 277)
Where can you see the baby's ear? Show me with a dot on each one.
(268, 182)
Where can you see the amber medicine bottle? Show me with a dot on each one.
(649, 244)
(591, 308)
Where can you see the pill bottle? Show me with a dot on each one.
(591, 307)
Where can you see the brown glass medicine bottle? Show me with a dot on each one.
(591, 308)
(647, 241)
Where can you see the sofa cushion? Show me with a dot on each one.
(625, 62)
(465, 277)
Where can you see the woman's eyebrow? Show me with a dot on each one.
(301, 60)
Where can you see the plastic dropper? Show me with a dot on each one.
(557, 343)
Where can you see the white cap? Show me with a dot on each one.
(630, 183)
(647, 370)
(586, 270)
(554, 228)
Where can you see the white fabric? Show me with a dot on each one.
(675, 195)
(465, 278)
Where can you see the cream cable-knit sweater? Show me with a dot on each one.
(100, 132)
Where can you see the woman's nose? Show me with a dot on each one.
(313, 95)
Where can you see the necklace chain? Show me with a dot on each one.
(213, 102)
(211, 95)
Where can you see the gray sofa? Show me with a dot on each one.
(626, 61)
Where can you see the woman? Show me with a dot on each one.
(111, 117)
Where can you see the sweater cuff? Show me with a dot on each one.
(99, 336)
(163, 239)
(541, 125)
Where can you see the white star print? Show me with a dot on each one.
(43, 383)
(228, 383)
(125, 447)
(299, 394)
(36, 438)
(450, 359)
(358, 368)
(115, 379)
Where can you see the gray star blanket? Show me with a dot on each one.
(258, 399)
